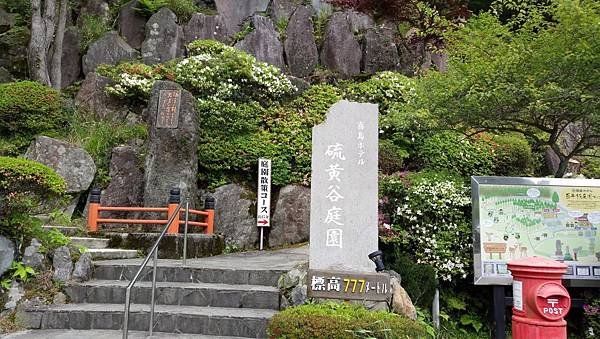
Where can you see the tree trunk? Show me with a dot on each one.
(42, 33)
(57, 51)
(562, 167)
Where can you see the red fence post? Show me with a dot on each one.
(174, 200)
(94, 205)
(209, 207)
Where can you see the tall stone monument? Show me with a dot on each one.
(172, 159)
(343, 214)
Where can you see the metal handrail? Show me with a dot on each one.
(153, 252)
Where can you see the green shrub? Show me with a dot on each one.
(418, 280)
(513, 155)
(28, 108)
(20, 7)
(92, 28)
(391, 157)
(182, 8)
(590, 164)
(385, 89)
(337, 320)
(454, 152)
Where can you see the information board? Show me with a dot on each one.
(515, 218)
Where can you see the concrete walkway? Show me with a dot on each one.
(99, 334)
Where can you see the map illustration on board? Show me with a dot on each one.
(557, 222)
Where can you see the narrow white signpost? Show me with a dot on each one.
(263, 201)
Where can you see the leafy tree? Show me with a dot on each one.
(539, 78)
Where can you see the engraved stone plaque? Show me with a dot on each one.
(349, 285)
(167, 115)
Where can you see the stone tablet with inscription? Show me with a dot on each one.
(167, 115)
(343, 213)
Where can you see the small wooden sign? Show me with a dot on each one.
(167, 115)
(349, 285)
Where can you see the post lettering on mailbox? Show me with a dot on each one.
(263, 202)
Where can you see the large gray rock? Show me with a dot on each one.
(235, 209)
(63, 266)
(291, 219)
(401, 303)
(164, 38)
(83, 268)
(13, 51)
(263, 42)
(71, 57)
(341, 51)
(172, 159)
(7, 254)
(15, 294)
(7, 20)
(32, 256)
(92, 98)
(359, 22)
(111, 49)
(72, 163)
(281, 10)
(234, 12)
(205, 27)
(300, 47)
(126, 186)
(322, 7)
(132, 24)
(94, 8)
(380, 53)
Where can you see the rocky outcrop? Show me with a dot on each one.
(92, 98)
(71, 57)
(359, 22)
(164, 38)
(62, 264)
(95, 8)
(300, 47)
(380, 53)
(32, 256)
(7, 254)
(172, 159)
(72, 163)
(235, 216)
(263, 42)
(205, 27)
(281, 10)
(132, 24)
(234, 12)
(341, 51)
(111, 49)
(291, 219)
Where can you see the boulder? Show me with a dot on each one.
(5, 76)
(281, 10)
(440, 61)
(380, 53)
(359, 22)
(83, 268)
(71, 57)
(172, 159)
(92, 98)
(322, 7)
(15, 294)
(234, 12)
(299, 295)
(132, 24)
(111, 49)
(13, 51)
(59, 299)
(7, 254)
(7, 20)
(300, 46)
(235, 216)
(95, 8)
(126, 186)
(263, 42)
(72, 163)
(293, 286)
(401, 303)
(291, 219)
(205, 27)
(32, 256)
(164, 38)
(341, 51)
(63, 266)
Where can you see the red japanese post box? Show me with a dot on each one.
(540, 301)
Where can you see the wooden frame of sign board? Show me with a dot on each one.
(492, 271)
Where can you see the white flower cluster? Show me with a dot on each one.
(131, 84)
(271, 78)
(432, 218)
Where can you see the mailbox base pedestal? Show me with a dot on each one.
(524, 328)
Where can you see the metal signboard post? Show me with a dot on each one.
(515, 218)
(263, 202)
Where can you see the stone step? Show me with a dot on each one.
(102, 334)
(174, 293)
(172, 270)
(66, 230)
(239, 322)
(112, 253)
(90, 243)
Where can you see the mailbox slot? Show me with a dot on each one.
(552, 301)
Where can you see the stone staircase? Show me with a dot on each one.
(228, 295)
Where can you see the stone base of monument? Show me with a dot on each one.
(171, 246)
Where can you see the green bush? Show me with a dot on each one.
(182, 8)
(391, 157)
(513, 155)
(337, 320)
(28, 108)
(20, 7)
(418, 280)
(590, 164)
(454, 152)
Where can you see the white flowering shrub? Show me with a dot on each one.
(133, 80)
(431, 222)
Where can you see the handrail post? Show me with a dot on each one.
(209, 206)
(126, 313)
(185, 231)
(94, 205)
(153, 291)
(174, 200)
